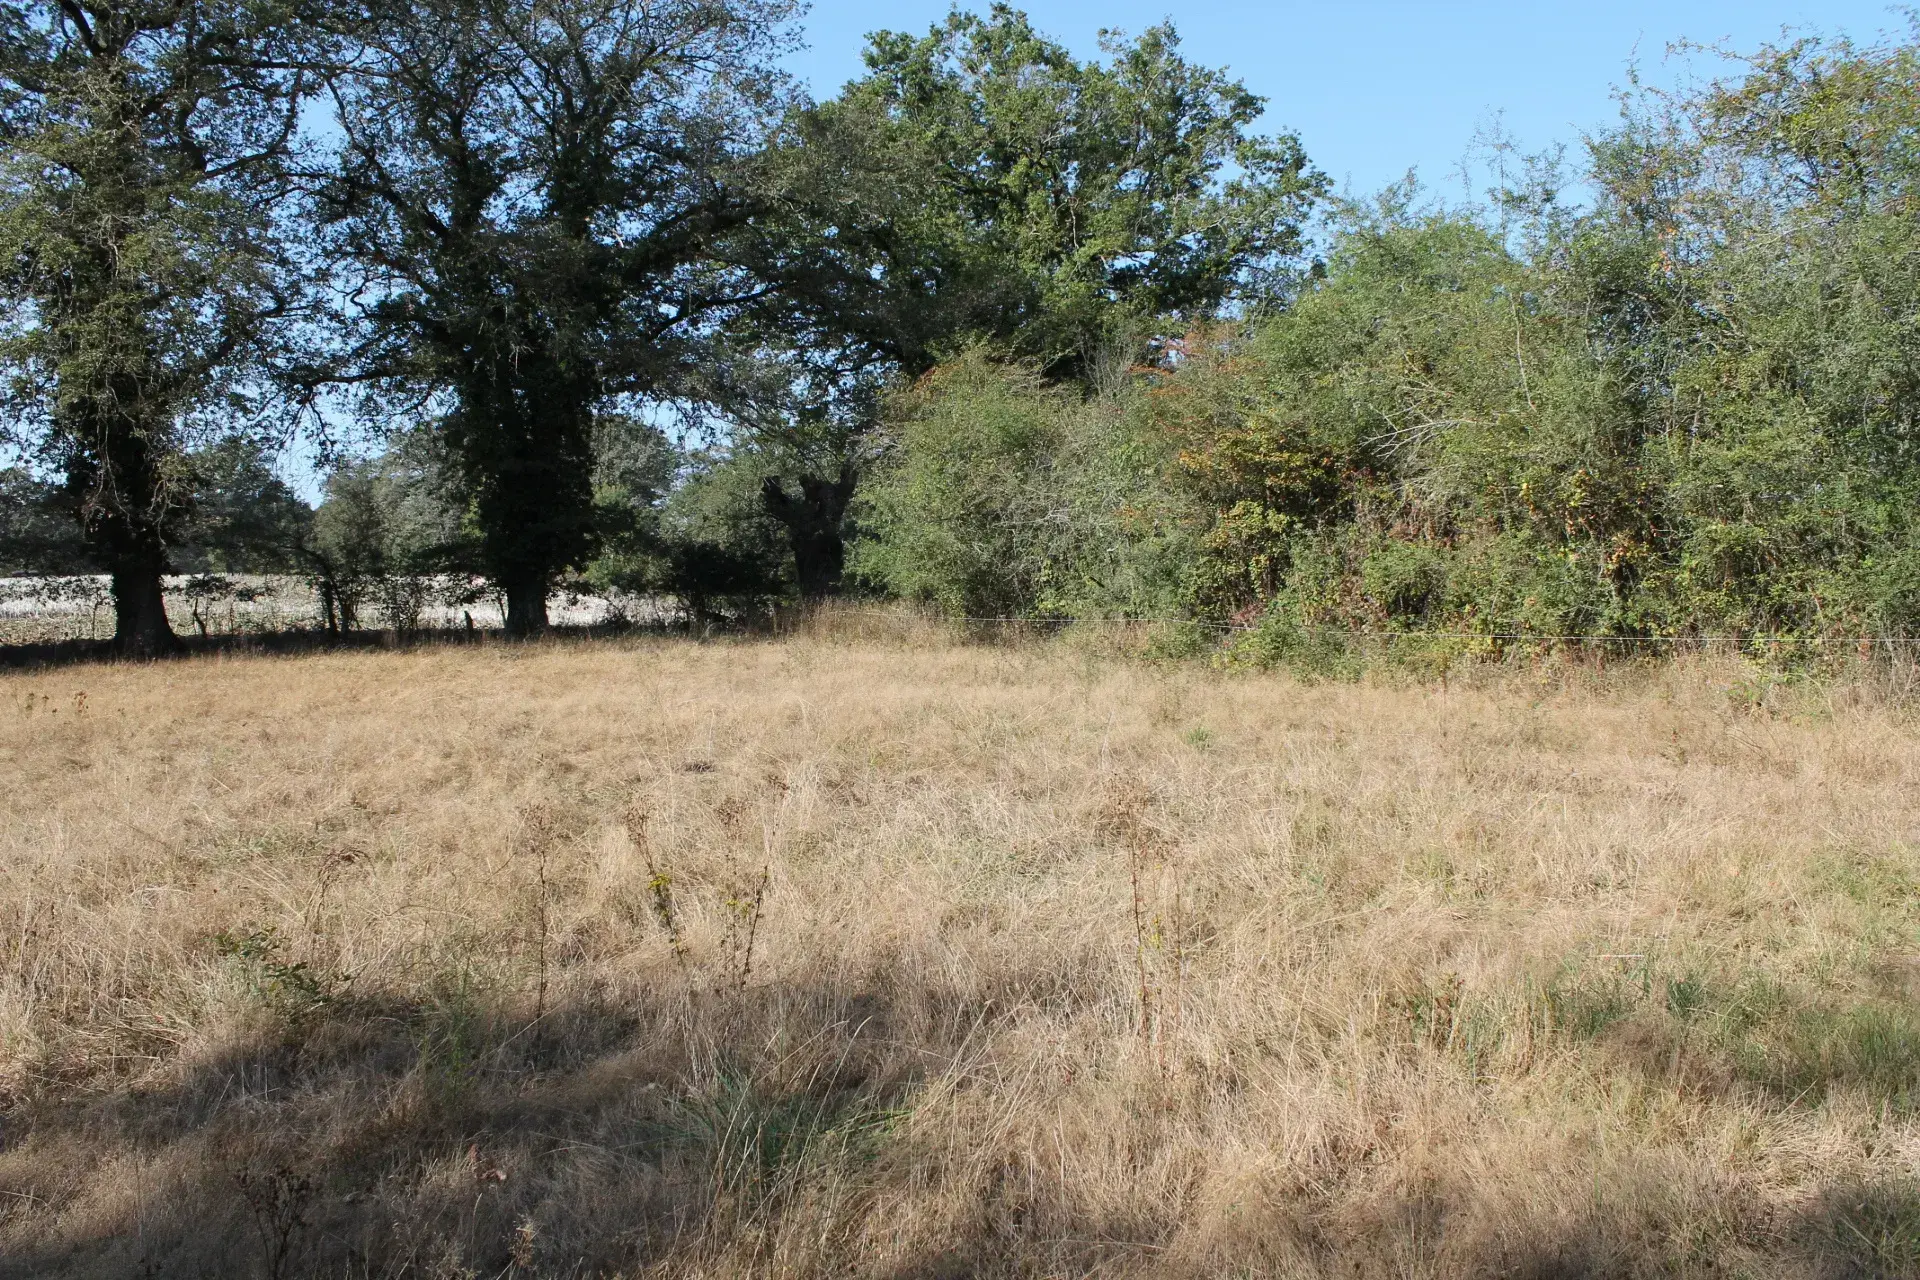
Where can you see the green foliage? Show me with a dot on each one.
(690, 526)
(1010, 497)
(958, 521)
(1639, 1011)
(140, 265)
(984, 183)
(725, 555)
(1870, 1047)
(292, 987)
(980, 183)
(244, 518)
(38, 534)
(762, 1143)
(1416, 443)
(1685, 410)
(635, 467)
(452, 1034)
(538, 196)
(391, 531)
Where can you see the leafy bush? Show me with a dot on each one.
(1683, 410)
(687, 525)
(1009, 497)
(392, 533)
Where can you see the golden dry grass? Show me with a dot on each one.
(353, 965)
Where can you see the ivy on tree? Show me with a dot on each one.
(144, 162)
(527, 201)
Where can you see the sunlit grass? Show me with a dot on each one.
(861, 952)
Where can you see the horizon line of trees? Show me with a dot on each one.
(994, 328)
(520, 231)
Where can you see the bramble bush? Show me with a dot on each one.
(1685, 409)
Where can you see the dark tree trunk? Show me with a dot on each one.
(140, 626)
(526, 605)
(115, 485)
(326, 607)
(814, 521)
(524, 437)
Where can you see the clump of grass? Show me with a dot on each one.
(451, 1034)
(1869, 1047)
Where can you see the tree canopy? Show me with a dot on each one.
(525, 213)
(980, 183)
(995, 326)
(145, 160)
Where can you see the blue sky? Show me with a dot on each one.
(1375, 88)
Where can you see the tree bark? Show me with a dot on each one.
(116, 486)
(140, 626)
(814, 521)
(526, 605)
(326, 607)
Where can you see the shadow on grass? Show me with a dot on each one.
(458, 1134)
(1863, 1230)
(70, 653)
(455, 1137)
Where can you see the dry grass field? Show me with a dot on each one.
(893, 957)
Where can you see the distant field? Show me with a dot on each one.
(38, 610)
(895, 958)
